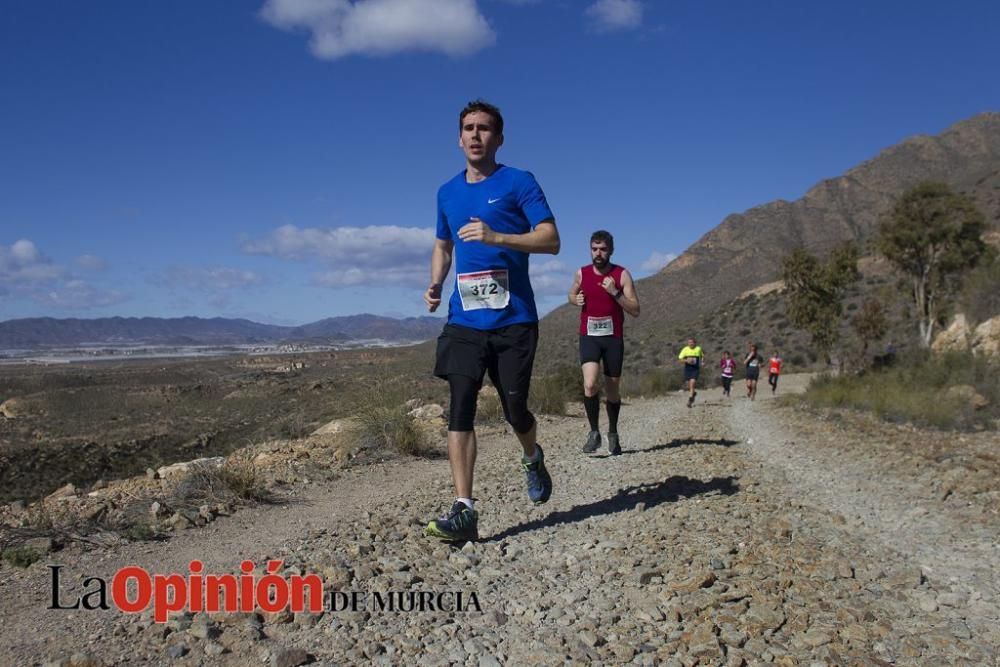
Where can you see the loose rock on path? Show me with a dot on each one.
(731, 533)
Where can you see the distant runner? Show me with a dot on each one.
(491, 217)
(604, 291)
(773, 371)
(691, 356)
(728, 366)
(753, 363)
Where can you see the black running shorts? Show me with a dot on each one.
(507, 354)
(691, 371)
(609, 349)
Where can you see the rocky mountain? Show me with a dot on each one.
(48, 332)
(371, 326)
(744, 251)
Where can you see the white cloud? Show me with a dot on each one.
(340, 28)
(25, 272)
(23, 265)
(207, 279)
(550, 278)
(609, 15)
(78, 295)
(412, 275)
(657, 261)
(91, 263)
(372, 256)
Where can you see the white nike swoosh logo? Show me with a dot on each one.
(493, 201)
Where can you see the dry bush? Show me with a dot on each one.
(551, 392)
(489, 410)
(235, 481)
(915, 390)
(383, 420)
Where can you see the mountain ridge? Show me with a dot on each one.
(744, 250)
(40, 332)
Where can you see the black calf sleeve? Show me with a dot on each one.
(464, 393)
(515, 411)
(592, 404)
(613, 410)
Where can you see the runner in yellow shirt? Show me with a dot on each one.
(691, 356)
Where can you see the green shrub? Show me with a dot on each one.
(653, 382)
(915, 390)
(139, 531)
(20, 556)
(384, 421)
(980, 298)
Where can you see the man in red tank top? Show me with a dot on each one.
(604, 292)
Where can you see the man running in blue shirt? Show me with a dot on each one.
(490, 218)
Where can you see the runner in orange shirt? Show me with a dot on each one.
(773, 371)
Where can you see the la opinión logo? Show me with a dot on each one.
(133, 590)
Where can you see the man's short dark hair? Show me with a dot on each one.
(603, 237)
(485, 107)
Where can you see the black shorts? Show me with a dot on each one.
(507, 354)
(753, 373)
(691, 371)
(609, 349)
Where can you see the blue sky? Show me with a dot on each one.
(279, 159)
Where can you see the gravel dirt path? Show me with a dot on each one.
(730, 533)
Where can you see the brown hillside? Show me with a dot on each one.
(743, 251)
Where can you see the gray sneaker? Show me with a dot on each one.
(593, 442)
(614, 447)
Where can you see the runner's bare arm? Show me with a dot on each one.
(628, 298)
(544, 238)
(575, 295)
(440, 265)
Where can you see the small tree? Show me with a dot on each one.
(933, 236)
(869, 324)
(816, 292)
(981, 290)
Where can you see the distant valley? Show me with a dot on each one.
(45, 333)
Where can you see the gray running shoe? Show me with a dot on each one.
(593, 442)
(539, 480)
(614, 447)
(460, 524)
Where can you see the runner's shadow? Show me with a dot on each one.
(668, 491)
(679, 442)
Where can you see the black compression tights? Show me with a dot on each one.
(464, 392)
(462, 415)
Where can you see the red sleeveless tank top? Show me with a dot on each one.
(601, 315)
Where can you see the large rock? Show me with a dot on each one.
(968, 395)
(13, 408)
(986, 337)
(181, 468)
(427, 412)
(955, 338)
(333, 428)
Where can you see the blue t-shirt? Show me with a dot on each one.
(492, 289)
